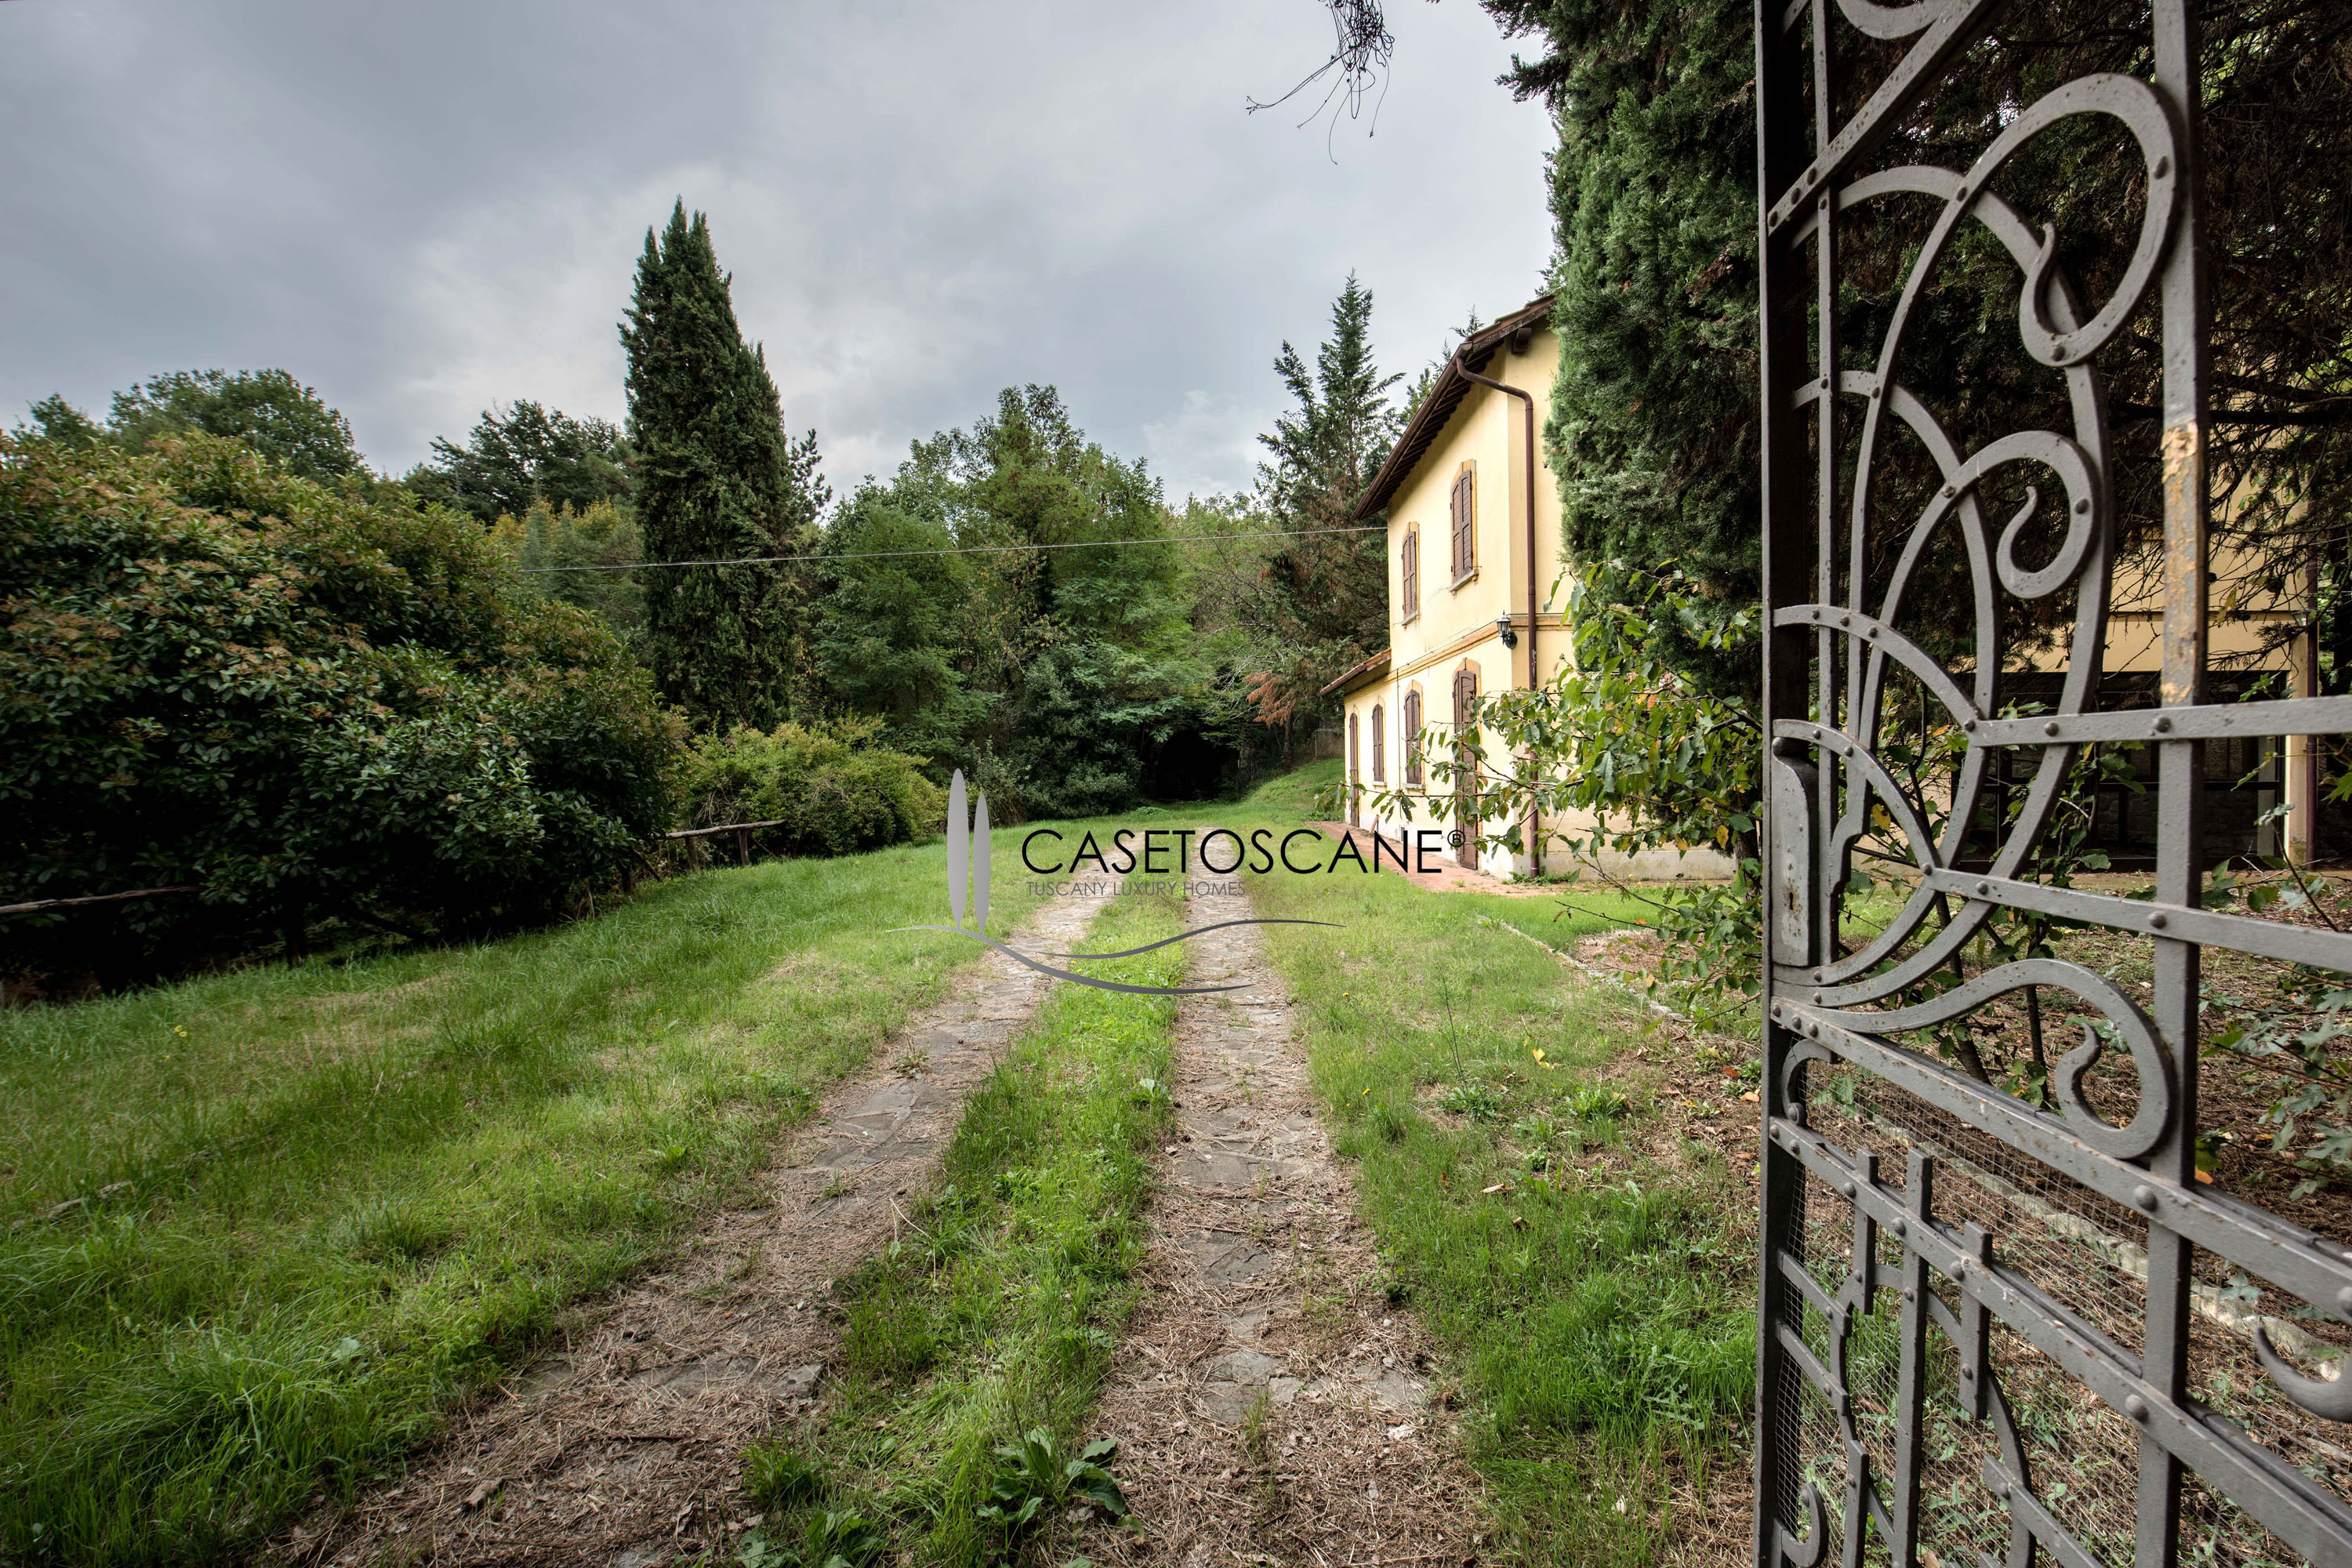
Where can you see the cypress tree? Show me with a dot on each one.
(717, 479)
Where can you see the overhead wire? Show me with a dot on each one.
(968, 549)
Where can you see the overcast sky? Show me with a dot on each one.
(427, 208)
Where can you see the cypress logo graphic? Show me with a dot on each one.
(968, 858)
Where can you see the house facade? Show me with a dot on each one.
(1475, 593)
(1475, 596)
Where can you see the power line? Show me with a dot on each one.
(970, 549)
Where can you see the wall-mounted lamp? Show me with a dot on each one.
(1503, 624)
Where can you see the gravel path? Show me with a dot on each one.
(1270, 1403)
(621, 1448)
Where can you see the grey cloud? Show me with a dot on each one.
(426, 208)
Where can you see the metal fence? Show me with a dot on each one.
(1993, 1332)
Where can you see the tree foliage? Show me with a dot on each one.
(523, 456)
(717, 479)
(573, 558)
(1326, 603)
(305, 701)
(287, 423)
(1652, 431)
(1046, 658)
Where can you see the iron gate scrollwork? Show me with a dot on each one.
(1980, 1317)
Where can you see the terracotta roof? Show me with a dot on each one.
(1429, 420)
(1363, 667)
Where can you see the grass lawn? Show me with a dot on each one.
(1000, 1311)
(256, 1229)
(1599, 1308)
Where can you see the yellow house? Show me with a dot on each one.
(1474, 552)
(2258, 629)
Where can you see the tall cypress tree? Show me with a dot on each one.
(717, 479)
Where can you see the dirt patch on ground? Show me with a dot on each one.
(621, 1447)
(1270, 1405)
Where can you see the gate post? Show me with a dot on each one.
(1786, 546)
(2181, 764)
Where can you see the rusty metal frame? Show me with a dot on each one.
(1825, 663)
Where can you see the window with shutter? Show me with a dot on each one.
(1379, 745)
(1463, 507)
(1409, 570)
(1412, 738)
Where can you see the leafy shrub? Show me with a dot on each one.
(1031, 1477)
(832, 788)
(304, 699)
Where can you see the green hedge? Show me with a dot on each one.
(309, 700)
(830, 786)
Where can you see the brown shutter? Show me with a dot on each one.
(1468, 485)
(1355, 770)
(1412, 738)
(1461, 506)
(1465, 782)
(1380, 744)
(1453, 530)
(1461, 525)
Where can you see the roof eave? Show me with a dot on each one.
(1353, 675)
(1444, 394)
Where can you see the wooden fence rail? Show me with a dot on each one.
(38, 905)
(741, 830)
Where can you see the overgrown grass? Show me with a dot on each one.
(998, 1311)
(1597, 1309)
(255, 1230)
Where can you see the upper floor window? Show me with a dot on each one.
(1409, 572)
(1462, 508)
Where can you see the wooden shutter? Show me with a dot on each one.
(1379, 745)
(1412, 738)
(1409, 571)
(1461, 505)
(1453, 530)
(1466, 779)
(1468, 485)
(1355, 772)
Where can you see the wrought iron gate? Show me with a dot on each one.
(1991, 1331)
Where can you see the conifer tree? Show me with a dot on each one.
(717, 479)
(1328, 590)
